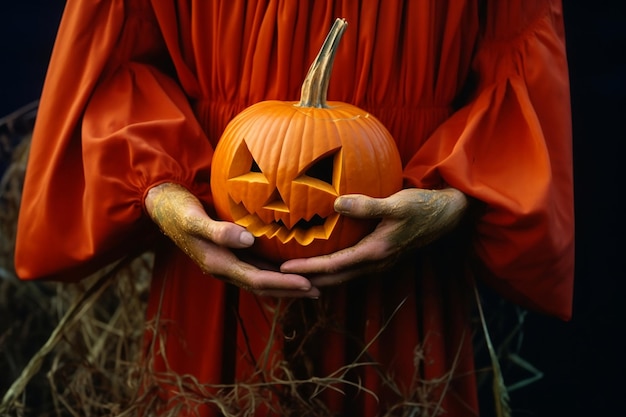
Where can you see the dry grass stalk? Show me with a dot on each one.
(276, 388)
(89, 344)
(500, 392)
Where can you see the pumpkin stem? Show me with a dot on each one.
(315, 85)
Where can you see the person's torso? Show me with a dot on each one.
(403, 61)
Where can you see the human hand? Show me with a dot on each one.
(209, 243)
(410, 219)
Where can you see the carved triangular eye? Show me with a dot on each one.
(322, 169)
(243, 163)
(255, 166)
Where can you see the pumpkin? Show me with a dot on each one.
(279, 166)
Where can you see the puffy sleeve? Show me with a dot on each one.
(111, 125)
(510, 149)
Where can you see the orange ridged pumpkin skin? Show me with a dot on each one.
(278, 169)
(279, 166)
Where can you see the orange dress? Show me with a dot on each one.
(475, 94)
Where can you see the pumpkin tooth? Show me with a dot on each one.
(245, 221)
(329, 225)
(269, 230)
(316, 220)
(277, 206)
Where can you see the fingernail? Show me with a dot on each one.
(246, 238)
(344, 204)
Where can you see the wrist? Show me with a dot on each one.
(153, 196)
(458, 204)
(458, 199)
(166, 199)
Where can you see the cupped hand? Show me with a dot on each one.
(410, 218)
(210, 243)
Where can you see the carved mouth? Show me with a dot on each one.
(302, 224)
(304, 231)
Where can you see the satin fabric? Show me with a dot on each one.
(474, 93)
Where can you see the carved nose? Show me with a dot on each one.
(276, 203)
(276, 210)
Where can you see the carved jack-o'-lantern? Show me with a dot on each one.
(279, 166)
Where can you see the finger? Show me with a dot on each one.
(366, 252)
(262, 281)
(256, 261)
(269, 290)
(275, 284)
(314, 293)
(361, 206)
(331, 280)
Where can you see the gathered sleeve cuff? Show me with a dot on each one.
(111, 125)
(509, 148)
(139, 131)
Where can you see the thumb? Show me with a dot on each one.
(227, 234)
(360, 206)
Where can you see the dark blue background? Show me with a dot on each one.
(27, 31)
(584, 360)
